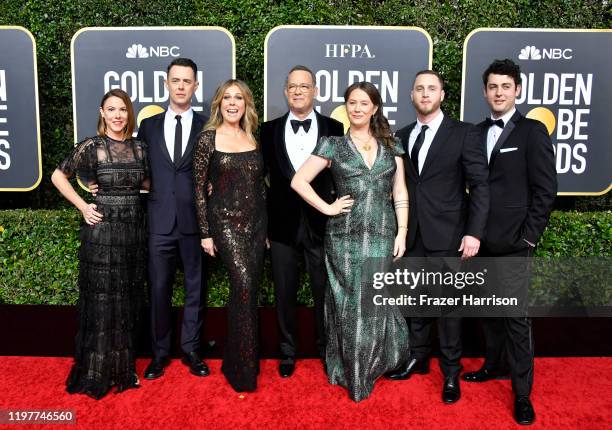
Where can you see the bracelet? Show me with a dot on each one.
(402, 226)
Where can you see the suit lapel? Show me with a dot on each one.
(412, 173)
(504, 136)
(280, 147)
(196, 127)
(321, 126)
(161, 140)
(441, 136)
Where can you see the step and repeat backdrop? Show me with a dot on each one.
(339, 56)
(20, 155)
(135, 60)
(565, 82)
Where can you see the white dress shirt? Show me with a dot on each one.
(430, 133)
(301, 144)
(495, 131)
(170, 128)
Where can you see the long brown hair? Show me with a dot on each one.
(131, 121)
(249, 120)
(379, 126)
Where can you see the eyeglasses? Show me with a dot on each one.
(291, 88)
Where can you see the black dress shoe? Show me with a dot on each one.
(406, 370)
(155, 369)
(286, 367)
(523, 411)
(451, 391)
(196, 365)
(484, 375)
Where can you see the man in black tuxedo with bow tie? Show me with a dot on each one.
(294, 227)
(444, 221)
(173, 227)
(523, 186)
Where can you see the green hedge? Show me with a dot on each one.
(39, 264)
(53, 23)
(38, 255)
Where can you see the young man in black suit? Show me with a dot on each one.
(444, 221)
(173, 227)
(523, 186)
(294, 227)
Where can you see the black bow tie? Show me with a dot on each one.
(295, 125)
(498, 122)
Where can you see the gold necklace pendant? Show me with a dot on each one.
(365, 145)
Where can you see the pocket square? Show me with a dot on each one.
(508, 149)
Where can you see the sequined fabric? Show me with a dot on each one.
(112, 265)
(362, 342)
(235, 217)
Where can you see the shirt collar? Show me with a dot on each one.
(434, 124)
(188, 114)
(506, 117)
(312, 116)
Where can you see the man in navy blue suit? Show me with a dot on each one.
(173, 227)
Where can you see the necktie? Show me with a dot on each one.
(498, 122)
(414, 154)
(295, 125)
(178, 141)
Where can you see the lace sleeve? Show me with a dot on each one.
(201, 161)
(82, 161)
(144, 156)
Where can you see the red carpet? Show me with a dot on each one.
(569, 393)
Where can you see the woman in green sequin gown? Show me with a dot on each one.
(363, 342)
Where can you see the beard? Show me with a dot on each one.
(428, 109)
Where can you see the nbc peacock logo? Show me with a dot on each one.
(137, 51)
(530, 53)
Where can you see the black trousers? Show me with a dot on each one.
(509, 341)
(449, 329)
(286, 276)
(164, 252)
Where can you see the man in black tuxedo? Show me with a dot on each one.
(444, 220)
(295, 227)
(173, 227)
(523, 186)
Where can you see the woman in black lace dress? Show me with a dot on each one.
(112, 253)
(233, 219)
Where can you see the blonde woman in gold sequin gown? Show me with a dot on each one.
(233, 219)
(362, 342)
